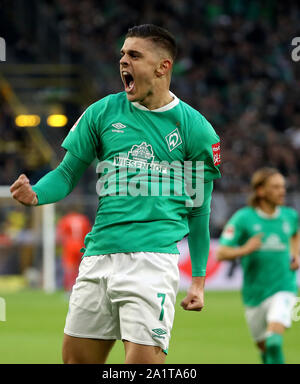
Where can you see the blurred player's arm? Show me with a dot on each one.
(198, 240)
(295, 247)
(52, 187)
(234, 241)
(225, 252)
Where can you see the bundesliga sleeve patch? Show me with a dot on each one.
(75, 125)
(216, 148)
(228, 232)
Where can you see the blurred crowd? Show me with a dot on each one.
(18, 154)
(234, 65)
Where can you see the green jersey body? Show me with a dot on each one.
(267, 270)
(125, 135)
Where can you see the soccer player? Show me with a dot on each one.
(265, 236)
(70, 232)
(128, 278)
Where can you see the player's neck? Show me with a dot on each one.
(267, 207)
(157, 100)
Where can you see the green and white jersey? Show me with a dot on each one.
(267, 270)
(128, 136)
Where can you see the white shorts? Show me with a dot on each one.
(275, 309)
(125, 296)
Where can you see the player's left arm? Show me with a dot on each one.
(295, 247)
(203, 144)
(199, 241)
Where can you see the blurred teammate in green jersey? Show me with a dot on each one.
(128, 278)
(265, 236)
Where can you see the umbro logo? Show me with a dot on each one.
(159, 332)
(119, 127)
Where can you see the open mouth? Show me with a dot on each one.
(128, 81)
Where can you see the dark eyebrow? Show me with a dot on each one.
(132, 52)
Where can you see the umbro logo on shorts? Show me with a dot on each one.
(159, 332)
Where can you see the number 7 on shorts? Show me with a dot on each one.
(163, 296)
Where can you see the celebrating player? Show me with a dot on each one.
(265, 236)
(128, 278)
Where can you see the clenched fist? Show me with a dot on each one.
(21, 191)
(194, 300)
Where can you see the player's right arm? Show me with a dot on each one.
(53, 187)
(82, 145)
(234, 243)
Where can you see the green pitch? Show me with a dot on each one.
(33, 331)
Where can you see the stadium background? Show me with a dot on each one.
(234, 65)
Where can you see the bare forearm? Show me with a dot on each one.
(231, 253)
(198, 282)
(295, 246)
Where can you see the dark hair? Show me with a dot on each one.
(156, 34)
(259, 179)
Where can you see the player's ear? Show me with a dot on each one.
(163, 67)
(260, 191)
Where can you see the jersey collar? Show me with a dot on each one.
(164, 108)
(264, 215)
